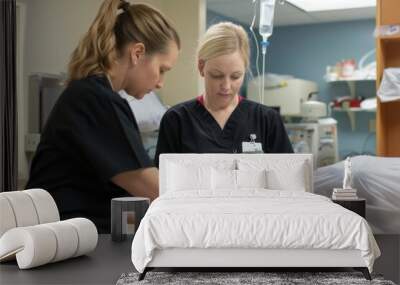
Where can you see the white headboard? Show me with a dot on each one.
(213, 159)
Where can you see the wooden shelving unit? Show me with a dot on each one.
(387, 55)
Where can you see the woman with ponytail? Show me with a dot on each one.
(90, 150)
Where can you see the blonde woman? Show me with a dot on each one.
(220, 120)
(90, 150)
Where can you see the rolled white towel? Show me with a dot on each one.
(33, 246)
(45, 205)
(40, 244)
(23, 208)
(87, 234)
(7, 218)
(67, 240)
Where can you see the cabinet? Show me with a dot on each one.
(357, 205)
(387, 55)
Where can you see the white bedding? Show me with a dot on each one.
(252, 218)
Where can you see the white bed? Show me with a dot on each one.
(203, 218)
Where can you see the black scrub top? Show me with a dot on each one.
(189, 128)
(91, 135)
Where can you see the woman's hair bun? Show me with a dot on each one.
(124, 5)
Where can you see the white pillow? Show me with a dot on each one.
(223, 179)
(251, 178)
(280, 174)
(293, 179)
(182, 177)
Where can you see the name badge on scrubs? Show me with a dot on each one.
(252, 146)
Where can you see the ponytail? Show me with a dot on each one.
(111, 31)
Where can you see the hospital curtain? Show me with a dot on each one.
(8, 99)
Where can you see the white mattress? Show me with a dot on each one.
(377, 179)
(252, 218)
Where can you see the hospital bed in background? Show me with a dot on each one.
(247, 211)
(377, 179)
(148, 113)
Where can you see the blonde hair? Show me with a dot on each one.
(111, 31)
(224, 38)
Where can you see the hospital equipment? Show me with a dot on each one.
(311, 110)
(292, 97)
(267, 8)
(318, 138)
(266, 19)
(286, 93)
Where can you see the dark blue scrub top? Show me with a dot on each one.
(189, 128)
(91, 135)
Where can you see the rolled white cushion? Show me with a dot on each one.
(87, 235)
(23, 208)
(40, 244)
(33, 246)
(7, 218)
(45, 205)
(67, 240)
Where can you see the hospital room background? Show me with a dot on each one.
(303, 50)
(323, 63)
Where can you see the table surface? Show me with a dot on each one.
(104, 265)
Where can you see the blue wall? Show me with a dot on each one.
(304, 51)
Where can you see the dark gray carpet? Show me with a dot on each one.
(269, 278)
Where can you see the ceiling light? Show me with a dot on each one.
(326, 5)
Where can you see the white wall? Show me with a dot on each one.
(189, 17)
(53, 29)
(50, 31)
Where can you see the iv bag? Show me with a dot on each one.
(266, 17)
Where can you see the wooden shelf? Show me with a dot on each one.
(350, 79)
(388, 39)
(336, 109)
(351, 114)
(387, 55)
(351, 82)
(388, 12)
